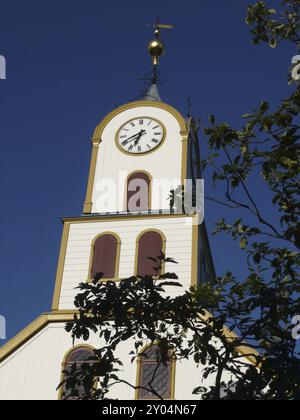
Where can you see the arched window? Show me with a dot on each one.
(150, 244)
(155, 375)
(105, 256)
(72, 367)
(138, 192)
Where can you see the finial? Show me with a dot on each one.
(156, 47)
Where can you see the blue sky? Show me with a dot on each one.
(69, 63)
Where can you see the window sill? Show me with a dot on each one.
(115, 280)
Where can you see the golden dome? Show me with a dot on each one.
(156, 49)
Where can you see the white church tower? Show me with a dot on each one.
(140, 151)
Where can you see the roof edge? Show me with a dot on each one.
(68, 315)
(32, 329)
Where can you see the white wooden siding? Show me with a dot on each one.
(33, 372)
(178, 235)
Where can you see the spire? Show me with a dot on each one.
(153, 95)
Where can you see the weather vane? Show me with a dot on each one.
(156, 47)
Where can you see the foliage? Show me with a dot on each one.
(272, 26)
(138, 309)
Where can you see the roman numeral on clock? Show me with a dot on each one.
(155, 141)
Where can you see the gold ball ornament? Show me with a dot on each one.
(156, 49)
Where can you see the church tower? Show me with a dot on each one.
(141, 151)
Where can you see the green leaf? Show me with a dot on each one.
(170, 283)
(243, 243)
(244, 149)
(171, 276)
(212, 119)
(264, 106)
(257, 258)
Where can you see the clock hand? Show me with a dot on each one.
(131, 138)
(139, 137)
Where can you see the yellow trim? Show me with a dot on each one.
(184, 159)
(88, 202)
(117, 265)
(98, 136)
(195, 255)
(144, 153)
(184, 162)
(100, 218)
(164, 245)
(139, 376)
(173, 377)
(149, 190)
(31, 330)
(65, 312)
(61, 264)
(63, 365)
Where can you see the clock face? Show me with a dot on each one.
(140, 135)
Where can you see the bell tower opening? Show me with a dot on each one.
(138, 197)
